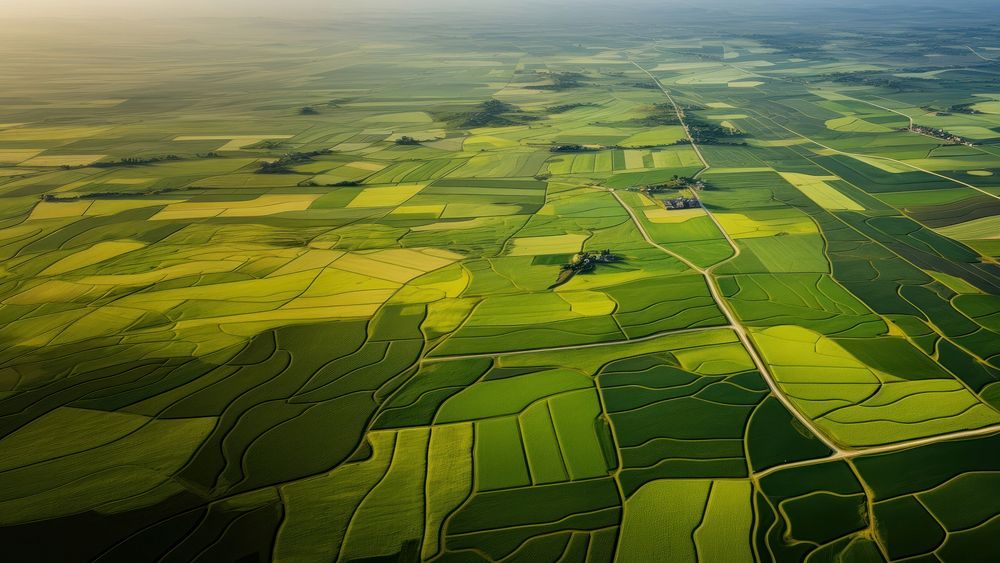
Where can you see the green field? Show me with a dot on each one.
(328, 285)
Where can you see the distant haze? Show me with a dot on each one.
(332, 9)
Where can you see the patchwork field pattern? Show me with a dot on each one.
(307, 297)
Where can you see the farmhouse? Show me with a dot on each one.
(681, 203)
(584, 262)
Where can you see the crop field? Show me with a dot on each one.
(437, 288)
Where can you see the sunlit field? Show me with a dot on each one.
(692, 290)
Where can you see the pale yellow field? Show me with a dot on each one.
(50, 133)
(248, 324)
(113, 206)
(234, 142)
(855, 125)
(263, 205)
(477, 142)
(555, 244)
(391, 196)
(450, 225)
(718, 105)
(51, 291)
(646, 200)
(453, 210)
(312, 259)
(167, 273)
(95, 254)
(360, 297)
(17, 156)
(424, 260)
(367, 265)
(825, 195)
(365, 165)
(741, 226)
(450, 281)
(435, 209)
(310, 285)
(746, 84)
(830, 95)
(589, 303)
(663, 215)
(633, 159)
(882, 164)
(63, 160)
(58, 210)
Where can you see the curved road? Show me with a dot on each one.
(839, 452)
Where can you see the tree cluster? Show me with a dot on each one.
(285, 162)
(494, 113)
(135, 161)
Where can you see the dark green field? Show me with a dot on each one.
(297, 289)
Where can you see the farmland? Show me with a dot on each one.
(297, 300)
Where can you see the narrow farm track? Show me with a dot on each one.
(713, 287)
(435, 359)
(885, 158)
(886, 448)
(839, 452)
(976, 53)
(737, 328)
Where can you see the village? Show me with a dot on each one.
(939, 134)
(676, 183)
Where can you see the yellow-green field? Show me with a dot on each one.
(593, 283)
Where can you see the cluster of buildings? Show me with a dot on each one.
(681, 203)
(940, 134)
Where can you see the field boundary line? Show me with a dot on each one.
(435, 359)
(886, 448)
(878, 157)
(740, 331)
(976, 53)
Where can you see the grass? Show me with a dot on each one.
(358, 357)
(650, 530)
(321, 508)
(978, 229)
(449, 479)
(500, 461)
(508, 396)
(825, 195)
(126, 464)
(867, 406)
(391, 514)
(385, 197)
(728, 519)
(94, 255)
(556, 244)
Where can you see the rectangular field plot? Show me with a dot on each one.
(648, 398)
(312, 290)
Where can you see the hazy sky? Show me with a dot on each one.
(332, 8)
(288, 8)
